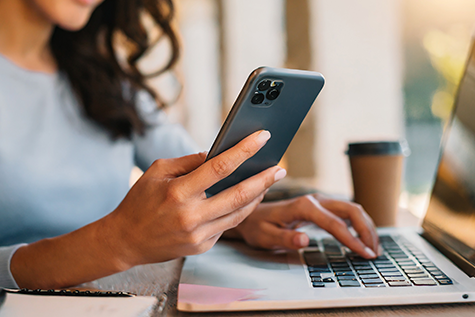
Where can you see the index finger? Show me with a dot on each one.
(360, 220)
(222, 165)
(313, 211)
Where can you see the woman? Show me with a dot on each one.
(74, 119)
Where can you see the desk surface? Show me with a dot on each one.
(163, 277)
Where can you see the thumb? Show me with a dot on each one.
(179, 166)
(287, 238)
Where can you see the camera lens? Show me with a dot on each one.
(257, 98)
(272, 94)
(264, 85)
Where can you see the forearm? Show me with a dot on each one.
(71, 259)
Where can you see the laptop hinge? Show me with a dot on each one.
(461, 262)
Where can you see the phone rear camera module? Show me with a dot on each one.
(272, 94)
(257, 98)
(264, 85)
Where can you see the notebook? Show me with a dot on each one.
(432, 264)
(18, 305)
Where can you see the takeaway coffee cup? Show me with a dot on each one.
(376, 169)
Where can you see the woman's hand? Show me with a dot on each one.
(272, 225)
(165, 215)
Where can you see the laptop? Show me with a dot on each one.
(431, 264)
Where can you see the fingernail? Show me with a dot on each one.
(280, 174)
(263, 137)
(302, 240)
(369, 252)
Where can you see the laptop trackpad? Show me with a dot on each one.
(234, 264)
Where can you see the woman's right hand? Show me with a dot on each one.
(166, 214)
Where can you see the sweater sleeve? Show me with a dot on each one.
(162, 139)
(6, 277)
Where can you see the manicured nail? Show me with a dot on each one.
(263, 137)
(369, 252)
(280, 174)
(302, 240)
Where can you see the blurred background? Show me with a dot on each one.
(391, 70)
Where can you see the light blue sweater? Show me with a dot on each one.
(58, 170)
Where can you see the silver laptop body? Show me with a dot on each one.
(435, 264)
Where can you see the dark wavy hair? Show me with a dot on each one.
(106, 88)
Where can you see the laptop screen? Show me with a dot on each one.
(450, 218)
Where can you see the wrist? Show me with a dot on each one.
(116, 243)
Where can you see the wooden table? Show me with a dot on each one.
(153, 280)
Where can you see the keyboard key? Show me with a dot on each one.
(374, 285)
(316, 279)
(381, 258)
(445, 281)
(395, 279)
(313, 258)
(314, 274)
(337, 259)
(441, 276)
(394, 269)
(435, 272)
(342, 269)
(362, 267)
(404, 263)
(391, 274)
(349, 273)
(418, 275)
(347, 278)
(430, 267)
(349, 283)
(333, 253)
(338, 264)
(417, 271)
(319, 270)
(318, 284)
(360, 263)
(399, 284)
(385, 266)
(328, 280)
(371, 281)
(409, 267)
(369, 276)
(313, 243)
(424, 282)
(396, 254)
(366, 271)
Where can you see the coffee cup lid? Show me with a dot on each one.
(379, 148)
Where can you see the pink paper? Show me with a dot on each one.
(212, 295)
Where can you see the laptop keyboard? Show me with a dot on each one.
(401, 265)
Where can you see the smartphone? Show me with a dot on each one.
(273, 99)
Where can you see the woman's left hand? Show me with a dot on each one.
(273, 225)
